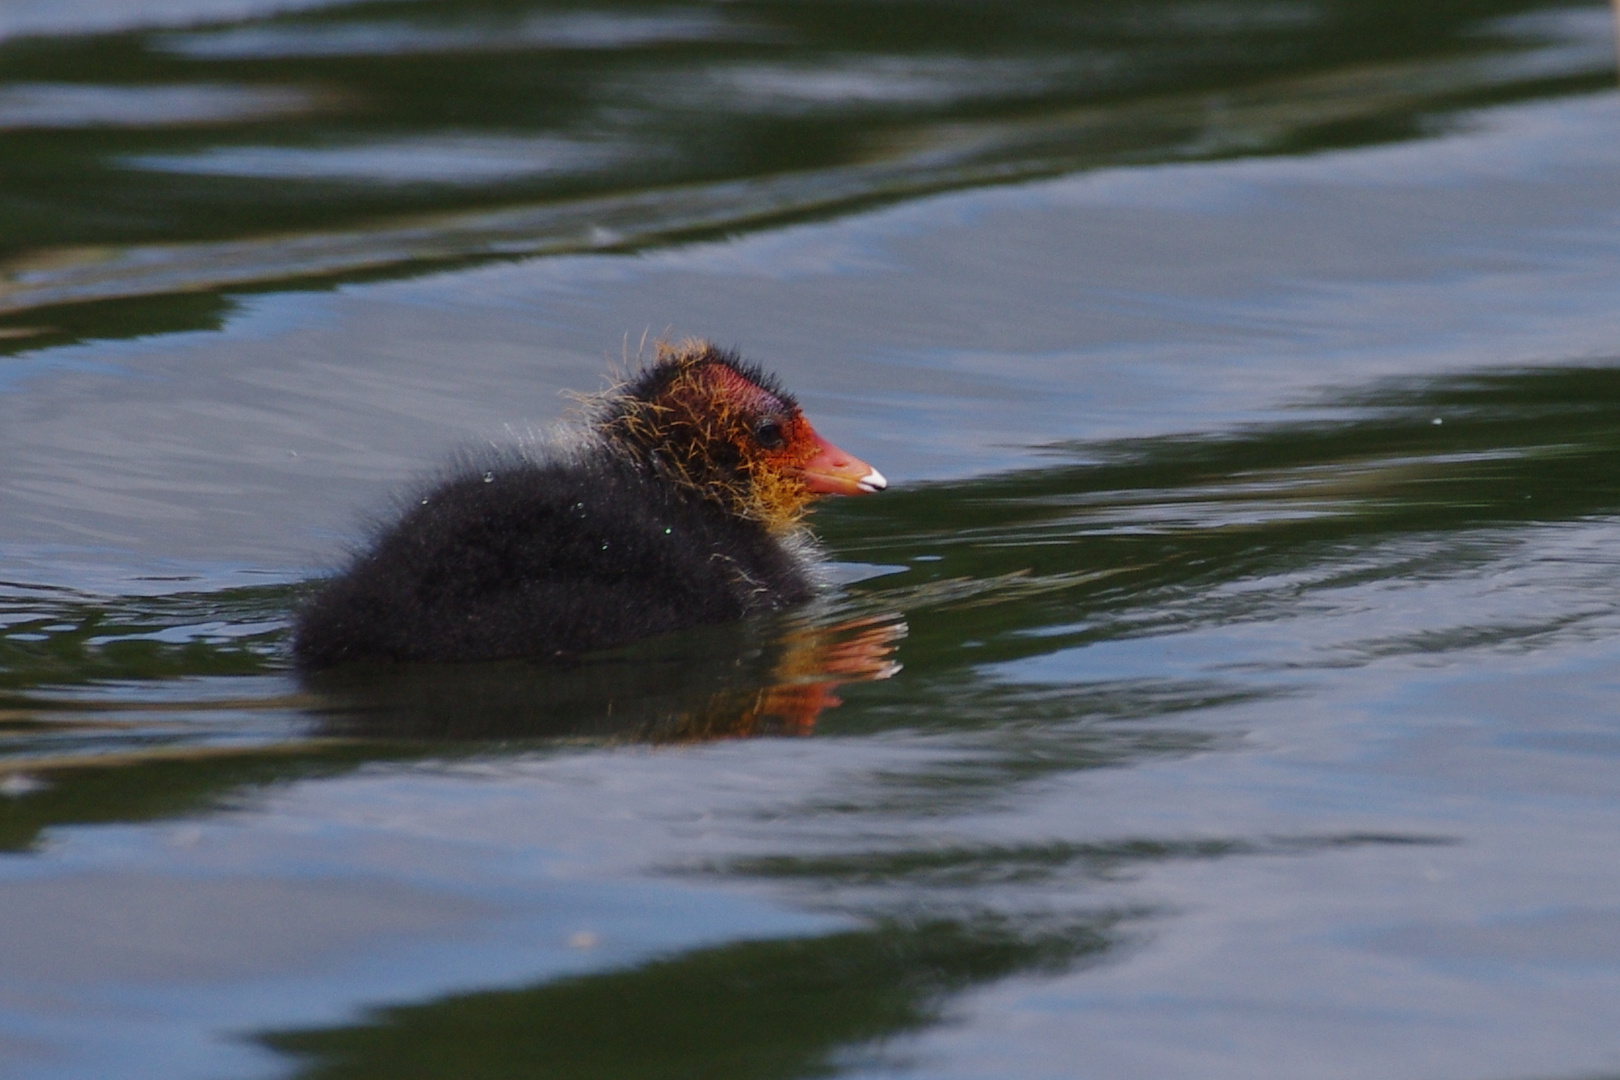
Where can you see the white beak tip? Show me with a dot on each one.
(872, 481)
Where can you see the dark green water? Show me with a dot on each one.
(362, 138)
(1225, 688)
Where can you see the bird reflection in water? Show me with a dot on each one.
(814, 662)
(716, 683)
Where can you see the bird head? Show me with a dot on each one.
(710, 422)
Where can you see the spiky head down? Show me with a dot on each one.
(718, 426)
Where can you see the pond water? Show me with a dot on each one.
(1225, 688)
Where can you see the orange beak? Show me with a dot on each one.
(832, 472)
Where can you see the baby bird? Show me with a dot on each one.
(683, 506)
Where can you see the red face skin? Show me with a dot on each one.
(708, 422)
(823, 467)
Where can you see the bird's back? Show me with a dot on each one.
(528, 558)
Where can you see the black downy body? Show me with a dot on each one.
(523, 558)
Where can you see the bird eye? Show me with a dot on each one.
(769, 434)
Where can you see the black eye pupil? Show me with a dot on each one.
(769, 434)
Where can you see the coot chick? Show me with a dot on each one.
(682, 505)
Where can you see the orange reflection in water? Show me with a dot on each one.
(815, 661)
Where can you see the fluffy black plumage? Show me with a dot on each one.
(682, 505)
(529, 558)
